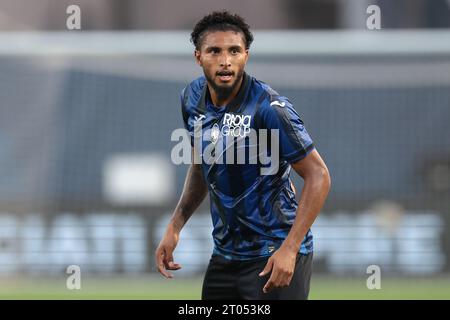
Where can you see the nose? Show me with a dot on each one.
(225, 60)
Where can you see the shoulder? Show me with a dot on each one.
(270, 100)
(192, 93)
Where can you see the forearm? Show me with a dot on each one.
(313, 196)
(194, 191)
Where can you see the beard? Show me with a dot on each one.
(223, 92)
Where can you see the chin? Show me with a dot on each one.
(225, 85)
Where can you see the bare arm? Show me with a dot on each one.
(314, 193)
(194, 191)
(316, 187)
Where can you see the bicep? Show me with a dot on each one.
(196, 173)
(311, 165)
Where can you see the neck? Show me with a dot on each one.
(221, 101)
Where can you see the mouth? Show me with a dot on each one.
(225, 76)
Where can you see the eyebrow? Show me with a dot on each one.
(235, 47)
(213, 48)
(238, 48)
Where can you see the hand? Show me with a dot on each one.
(164, 253)
(282, 264)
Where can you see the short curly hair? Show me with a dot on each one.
(221, 21)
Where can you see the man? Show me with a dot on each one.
(262, 238)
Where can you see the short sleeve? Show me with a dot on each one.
(185, 114)
(294, 141)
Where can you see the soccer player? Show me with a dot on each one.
(263, 245)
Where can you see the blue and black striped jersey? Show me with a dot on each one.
(252, 213)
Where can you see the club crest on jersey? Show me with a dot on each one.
(215, 131)
(236, 125)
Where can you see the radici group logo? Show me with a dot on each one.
(232, 140)
(236, 125)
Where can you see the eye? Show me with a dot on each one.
(234, 51)
(215, 50)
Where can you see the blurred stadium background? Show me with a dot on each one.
(86, 119)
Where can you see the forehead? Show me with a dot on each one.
(223, 39)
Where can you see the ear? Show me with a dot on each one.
(197, 56)
(246, 55)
